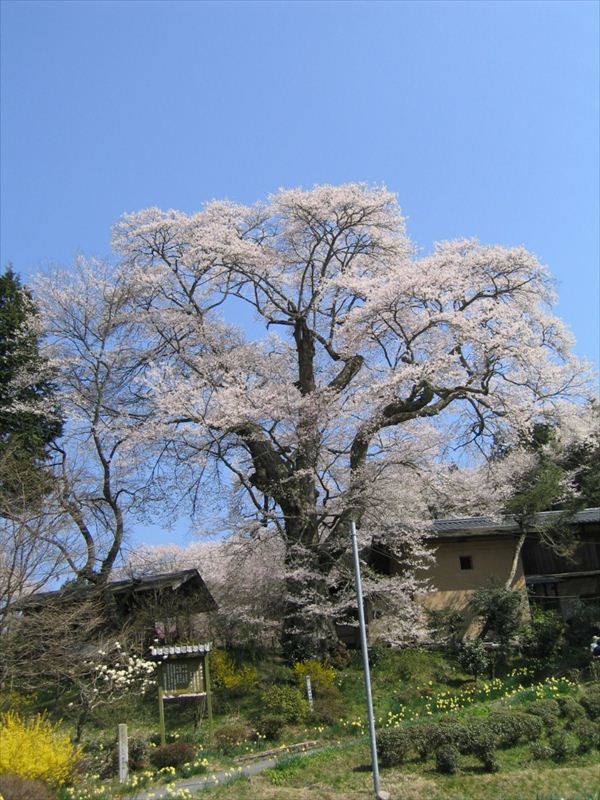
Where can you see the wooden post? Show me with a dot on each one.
(309, 693)
(123, 754)
(206, 675)
(161, 709)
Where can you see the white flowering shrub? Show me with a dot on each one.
(113, 673)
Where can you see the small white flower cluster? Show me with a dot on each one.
(126, 672)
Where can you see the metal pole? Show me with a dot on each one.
(379, 795)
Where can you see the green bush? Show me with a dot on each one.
(424, 740)
(562, 745)
(472, 657)
(547, 710)
(540, 751)
(447, 759)
(512, 727)
(414, 666)
(173, 755)
(285, 702)
(544, 636)
(481, 742)
(570, 709)
(591, 702)
(270, 727)
(582, 623)
(328, 706)
(138, 755)
(472, 737)
(394, 746)
(13, 787)
(500, 610)
(459, 734)
(228, 737)
(587, 733)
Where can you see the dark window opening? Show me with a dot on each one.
(466, 562)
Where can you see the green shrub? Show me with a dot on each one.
(547, 710)
(285, 702)
(447, 759)
(394, 746)
(472, 657)
(500, 610)
(544, 636)
(173, 755)
(587, 733)
(424, 740)
(540, 751)
(591, 702)
(512, 727)
(328, 706)
(570, 709)
(231, 736)
(321, 675)
(138, 756)
(594, 670)
(472, 737)
(458, 734)
(270, 727)
(12, 787)
(562, 745)
(414, 666)
(480, 741)
(582, 623)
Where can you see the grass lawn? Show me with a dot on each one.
(345, 774)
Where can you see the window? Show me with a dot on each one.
(466, 562)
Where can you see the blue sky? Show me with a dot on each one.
(482, 116)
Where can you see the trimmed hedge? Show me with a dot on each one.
(563, 746)
(394, 745)
(447, 759)
(230, 736)
(547, 710)
(587, 733)
(513, 727)
(173, 755)
(591, 702)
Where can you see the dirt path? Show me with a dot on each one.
(199, 783)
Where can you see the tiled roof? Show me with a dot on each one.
(508, 524)
(180, 650)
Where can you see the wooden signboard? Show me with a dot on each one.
(183, 672)
(182, 678)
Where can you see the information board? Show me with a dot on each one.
(182, 677)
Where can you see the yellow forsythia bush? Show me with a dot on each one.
(321, 676)
(225, 675)
(36, 749)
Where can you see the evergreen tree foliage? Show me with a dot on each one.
(28, 418)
